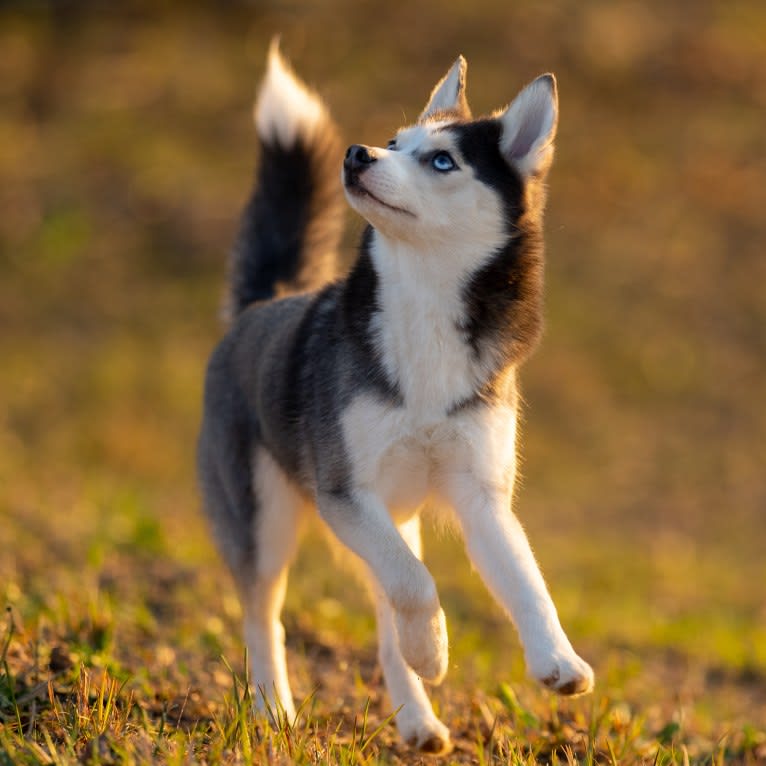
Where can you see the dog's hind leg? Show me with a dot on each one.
(277, 525)
(416, 721)
(255, 516)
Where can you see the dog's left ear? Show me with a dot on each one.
(449, 94)
(529, 127)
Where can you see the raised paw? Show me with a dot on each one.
(423, 642)
(566, 674)
(428, 736)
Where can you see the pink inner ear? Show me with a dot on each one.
(530, 130)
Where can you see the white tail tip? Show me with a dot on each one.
(286, 109)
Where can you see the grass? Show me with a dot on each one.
(118, 664)
(125, 155)
(62, 711)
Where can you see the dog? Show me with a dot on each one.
(368, 396)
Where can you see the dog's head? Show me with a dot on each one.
(450, 179)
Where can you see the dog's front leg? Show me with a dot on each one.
(498, 547)
(361, 521)
(415, 720)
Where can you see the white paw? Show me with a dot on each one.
(428, 734)
(564, 672)
(423, 642)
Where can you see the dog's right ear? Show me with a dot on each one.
(529, 127)
(449, 94)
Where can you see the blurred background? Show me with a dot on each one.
(126, 154)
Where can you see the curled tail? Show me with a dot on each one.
(292, 224)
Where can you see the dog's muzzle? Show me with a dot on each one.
(358, 158)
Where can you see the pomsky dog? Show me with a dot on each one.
(369, 396)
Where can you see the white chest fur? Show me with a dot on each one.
(405, 462)
(406, 454)
(416, 330)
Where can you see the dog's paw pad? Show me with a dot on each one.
(433, 745)
(570, 677)
(575, 687)
(433, 739)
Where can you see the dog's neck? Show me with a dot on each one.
(440, 327)
(418, 327)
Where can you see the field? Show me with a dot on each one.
(126, 152)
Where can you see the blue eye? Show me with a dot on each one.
(391, 145)
(443, 162)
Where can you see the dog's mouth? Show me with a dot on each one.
(354, 186)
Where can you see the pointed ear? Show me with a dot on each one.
(529, 127)
(449, 93)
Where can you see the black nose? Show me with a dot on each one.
(358, 157)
